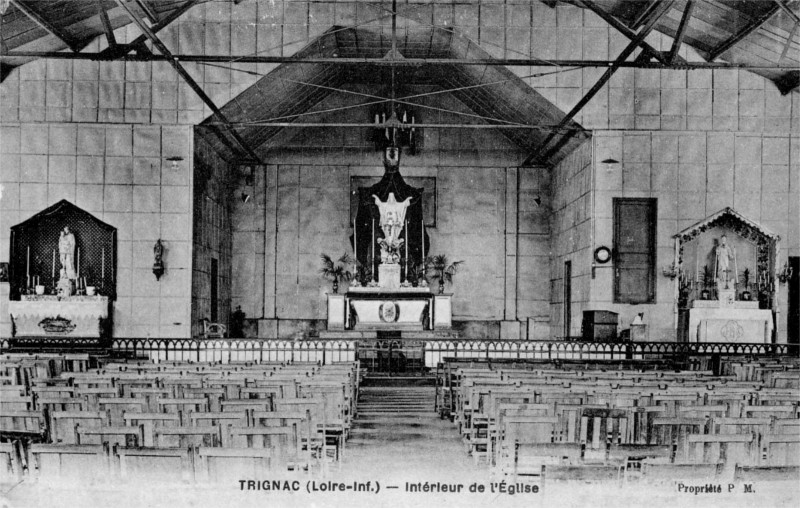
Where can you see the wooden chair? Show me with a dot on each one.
(126, 437)
(11, 464)
(149, 423)
(731, 449)
(670, 473)
(182, 406)
(674, 432)
(527, 461)
(62, 424)
(767, 474)
(25, 422)
(83, 463)
(117, 407)
(228, 465)
(780, 449)
(213, 330)
(183, 437)
(156, 465)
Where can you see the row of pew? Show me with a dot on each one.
(61, 417)
(534, 420)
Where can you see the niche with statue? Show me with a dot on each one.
(724, 272)
(62, 274)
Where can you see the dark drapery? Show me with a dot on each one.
(39, 235)
(368, 216)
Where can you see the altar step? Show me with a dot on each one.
(380, 402)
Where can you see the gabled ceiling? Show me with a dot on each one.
(55, 25)
(493, 93)
(755, 32)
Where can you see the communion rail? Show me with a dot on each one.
(428, 353)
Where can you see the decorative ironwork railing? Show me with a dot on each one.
(430, 352)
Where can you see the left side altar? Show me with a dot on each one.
(62, 276)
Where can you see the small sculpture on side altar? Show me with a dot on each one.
(64, 287)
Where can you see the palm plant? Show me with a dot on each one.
(335, 271)
(442, 269)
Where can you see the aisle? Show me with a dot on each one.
(397, 437)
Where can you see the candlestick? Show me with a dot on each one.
(27, 281)
(355, 245)
(406, 246)
(53, 271)
(423, 245)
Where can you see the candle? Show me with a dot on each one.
(373, 243)
(423, 244)
(406, 250)
(103, 264)
(78, 268)
(53, 271)
(28, 263)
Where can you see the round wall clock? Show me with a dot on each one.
(602, 255)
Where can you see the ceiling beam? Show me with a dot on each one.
(676, 43)
(148, 11)
(741, 34)
(623, 29)
(137, 43)
(101, 11)
(304, 125)
(411, 62)
(643, 15)
(785, 8)
(186, 77)
(629, 49)
(47, 25)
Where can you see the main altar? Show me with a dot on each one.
(389, 289)
(724, 271)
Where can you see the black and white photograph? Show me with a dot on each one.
(399, 253)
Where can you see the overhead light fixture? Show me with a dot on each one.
(245, 197)
(174, 161)
(610, 161)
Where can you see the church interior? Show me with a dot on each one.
(432, 245)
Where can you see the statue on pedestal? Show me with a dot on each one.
(393, 215)
(66, 253)
(724, 254)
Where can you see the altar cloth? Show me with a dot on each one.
(50, 316)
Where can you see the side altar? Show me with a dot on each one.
(62, 276)
(725, 272)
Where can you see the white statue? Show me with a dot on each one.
(393, 215)
(66, 252)
(724, 254)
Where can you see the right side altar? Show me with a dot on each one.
(724, 272)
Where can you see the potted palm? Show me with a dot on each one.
(335, 271)
(442, 269)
